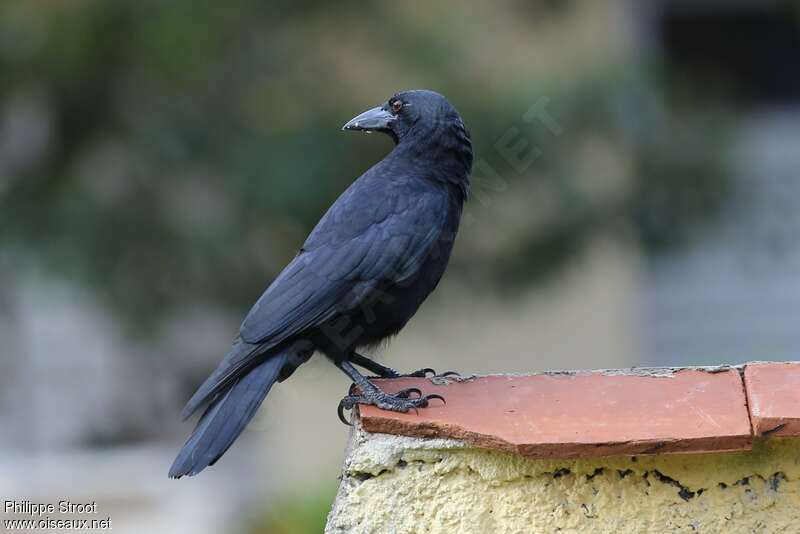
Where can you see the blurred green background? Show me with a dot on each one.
(161, 161)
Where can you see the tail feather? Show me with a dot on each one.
(241, 356)
(226, 418)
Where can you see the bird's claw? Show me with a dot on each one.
(399, 402)
(406, 393)
(341, 408)
(403, 393)
(427, 372)
(421, 373)
(432, 396)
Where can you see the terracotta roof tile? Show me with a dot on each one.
(773, 392)
(581, 414)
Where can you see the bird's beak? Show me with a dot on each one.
(373, 119)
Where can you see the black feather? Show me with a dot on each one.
(226, 417)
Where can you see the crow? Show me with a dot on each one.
(361, 274)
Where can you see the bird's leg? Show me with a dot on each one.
(387, 372)
(371, 394)
(380, 370)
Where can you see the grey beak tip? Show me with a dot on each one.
(371, 120)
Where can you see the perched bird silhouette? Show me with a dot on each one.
(363, 272)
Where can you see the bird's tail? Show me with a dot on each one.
(226, 417)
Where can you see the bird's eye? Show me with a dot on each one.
(397, 106)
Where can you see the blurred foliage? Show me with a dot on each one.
(177, 153)
(304, 513)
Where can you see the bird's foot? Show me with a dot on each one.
(402, 401)
(426, 372)
(440, 379)
(388, 372)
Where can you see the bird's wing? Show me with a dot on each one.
(372, 235)
(365, 240)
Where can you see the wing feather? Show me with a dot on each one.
(362, 239)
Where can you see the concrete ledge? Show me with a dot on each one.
(509, 472)
(411, 485)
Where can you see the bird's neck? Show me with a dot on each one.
(445, 153)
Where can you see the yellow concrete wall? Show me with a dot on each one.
(402, 485)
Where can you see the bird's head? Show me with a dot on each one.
(409, 115)
(428, 130)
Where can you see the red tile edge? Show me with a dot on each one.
(715, 444)
(773, 395)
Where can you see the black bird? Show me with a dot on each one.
(360, 276)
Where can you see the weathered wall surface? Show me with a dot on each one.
(395, 484)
